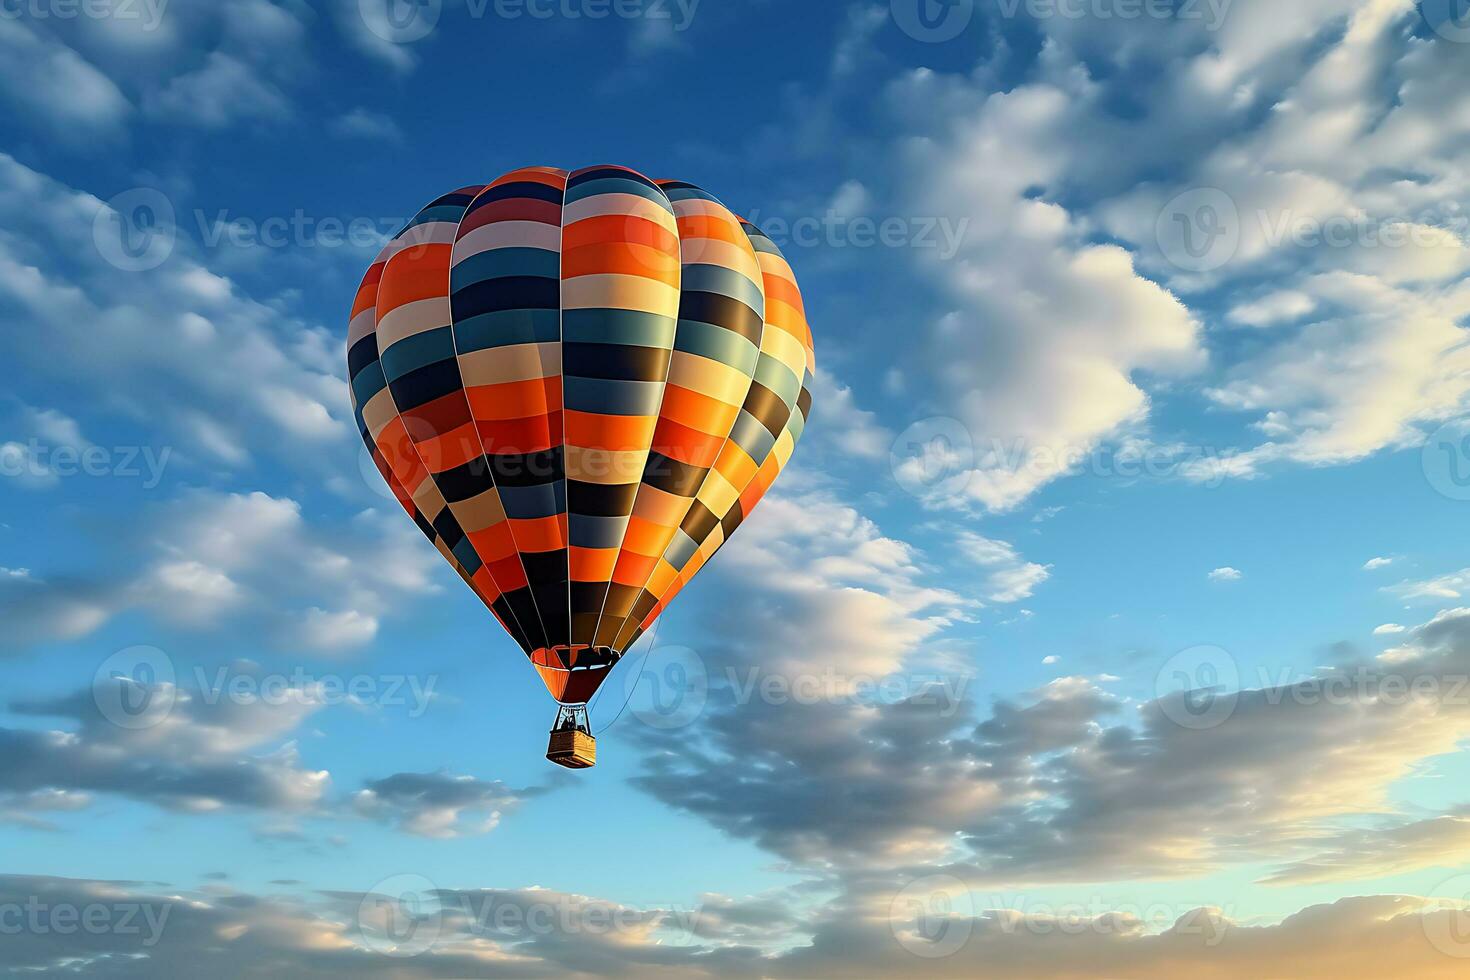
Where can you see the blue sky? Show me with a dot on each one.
(1141, 368)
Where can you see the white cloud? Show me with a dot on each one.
(1226, 574)
(1375, 563)
(1010, 578)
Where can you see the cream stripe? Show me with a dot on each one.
(619, 292)
(508, 234)
(708, 377)
(412, 318)
(618, 204)
(519, 362)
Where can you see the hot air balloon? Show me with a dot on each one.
(578, 385)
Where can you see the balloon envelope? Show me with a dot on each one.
(578, 385)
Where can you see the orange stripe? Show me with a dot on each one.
(621, 258)
(605, 228)
(515, 436)
(616, 433)
(541, 533)
(709, 226)
(515, 399)
(591, 564)
(687, 445)
(419, 272)
(697, 410)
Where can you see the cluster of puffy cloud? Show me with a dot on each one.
(1076, 783)
(209, 559)
(200, 749)
(1329, 145)
(176, 349)
(411, 929)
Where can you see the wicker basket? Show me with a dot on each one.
(573, 749)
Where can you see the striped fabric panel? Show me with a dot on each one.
(770, 409)
(416, 341)
(397, 462)
(716, 351)
(505, 300)
(620, 282)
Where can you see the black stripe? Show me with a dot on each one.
(517, 189)
(600, 173)
(699, 522)
(804, 404)
(527, 469)
(673, 476)
(362, 354)
(525, 610)
(615, 362)
(469, 479)
(767, 408)
(722, 311)
(448, 528)
(423, 385)
(507, 616)
(506, 293)
(732, 520)
(600, 499)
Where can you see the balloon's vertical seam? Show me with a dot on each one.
(479, 438)
(663, 394)
(628, 620)
(528, 641)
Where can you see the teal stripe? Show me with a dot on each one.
(617, 185)
(499, 262)
(718, 344)
(420, 350)
(631, 327)
(601, 396)
(726, 282)
(752, 437)
(778, 377)
(505, 328)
